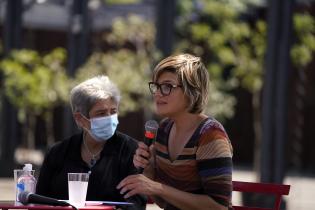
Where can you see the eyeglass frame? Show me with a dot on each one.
(159, 87)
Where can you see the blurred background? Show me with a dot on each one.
(259, 53)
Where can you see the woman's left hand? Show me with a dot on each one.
(138, 184)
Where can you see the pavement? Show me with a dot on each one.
(300, 197)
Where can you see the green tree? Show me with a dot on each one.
(127, 60)
(35, 84)
(302, 54)
(234, 49)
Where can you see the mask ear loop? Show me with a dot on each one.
(79, 123)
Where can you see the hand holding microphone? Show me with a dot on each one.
(142, 155)
(129, 185)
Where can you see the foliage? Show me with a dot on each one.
(128, 70)
(304, 47)
(133, 30)
(35, 84)
(127, 63)
(234, 49)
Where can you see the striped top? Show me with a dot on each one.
(203, 167)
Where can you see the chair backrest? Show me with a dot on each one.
(264, 188)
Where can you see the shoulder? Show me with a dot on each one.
(61, 147)
(126, 141)
(213, 129)
(214, 140)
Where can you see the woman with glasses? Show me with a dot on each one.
(190, 164)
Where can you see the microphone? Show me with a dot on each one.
(27, 197)
(151, 128)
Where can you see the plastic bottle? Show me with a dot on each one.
(26, 182)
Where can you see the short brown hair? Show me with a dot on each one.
(192, 75)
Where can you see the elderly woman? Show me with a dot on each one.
(100, 149)
(191, 164)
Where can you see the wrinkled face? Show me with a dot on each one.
(172, 104)
(101, 108)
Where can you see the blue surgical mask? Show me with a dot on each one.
(102, 128)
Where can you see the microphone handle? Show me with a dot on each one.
(141, 170)
(148, 142)
(35, 198)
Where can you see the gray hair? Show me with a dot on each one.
(84, 96)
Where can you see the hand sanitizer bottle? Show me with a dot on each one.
(26, 182)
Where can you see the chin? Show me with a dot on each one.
(162, 113)
(159, 112)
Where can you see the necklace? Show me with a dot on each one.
(94, 156)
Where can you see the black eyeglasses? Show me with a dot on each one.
(165, 88)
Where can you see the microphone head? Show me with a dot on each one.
(151, 128)
(151, 125)
(23, 197)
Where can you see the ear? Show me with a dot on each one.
(78, 119)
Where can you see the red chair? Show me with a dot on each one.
(264, 188)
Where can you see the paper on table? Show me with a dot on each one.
(97, 203)
(115, 203)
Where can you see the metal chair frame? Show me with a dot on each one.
(277, 190)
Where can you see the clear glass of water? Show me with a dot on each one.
(77, 188)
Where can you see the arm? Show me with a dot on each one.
(183, 200)
(140, 184)
(214, 162)
(149, 171)
(130, 169)
(46, 171)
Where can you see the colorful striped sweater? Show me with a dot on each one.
(203, 167)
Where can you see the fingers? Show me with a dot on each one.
(144, 152)
(140, 162)
(130, 190)
(142, 145)
(131, 185)
(124, 182)
(142, 156)
(129, 179)
(138, 184)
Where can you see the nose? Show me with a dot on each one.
(158, 92)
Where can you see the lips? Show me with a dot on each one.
(160, 102)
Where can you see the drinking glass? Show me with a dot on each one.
(77, 188)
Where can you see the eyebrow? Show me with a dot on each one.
(102, 110)
(167, 81)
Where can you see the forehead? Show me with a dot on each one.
(104, 104)
(167, 77)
